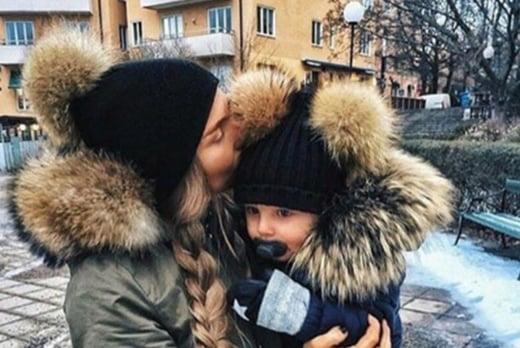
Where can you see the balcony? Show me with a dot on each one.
(208, 45)
(46, 6)
(12, 55)
(211, 45)
(161, 4)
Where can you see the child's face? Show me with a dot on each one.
(219, 147)
(272, 223)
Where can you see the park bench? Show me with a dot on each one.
(503, 219)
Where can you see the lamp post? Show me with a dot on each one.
(353, 14)
(488, 52)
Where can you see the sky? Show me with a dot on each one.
(482, 282)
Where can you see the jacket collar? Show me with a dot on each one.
(67, 206)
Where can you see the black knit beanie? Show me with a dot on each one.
(290, 167)
(150, 114)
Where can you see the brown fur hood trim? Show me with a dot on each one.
(260, 98)
(52, 87)
(67, 206)
(357, 248)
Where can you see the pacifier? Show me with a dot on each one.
(270, 250)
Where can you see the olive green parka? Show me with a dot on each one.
(126, 288)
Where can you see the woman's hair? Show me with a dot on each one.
(206, 291)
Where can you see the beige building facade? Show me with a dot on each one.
(231, 35)
(224, 35)
(22, 22)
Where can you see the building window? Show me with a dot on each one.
(172, 26)
(219, 20)
(332, 38)
(137, 31)
(83, 27)
(19, 33)
(317, 33)
(365, 43)
(122, 37)
(265, 21)
(22, 103)
(312, 78)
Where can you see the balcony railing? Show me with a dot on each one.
(46, 6)
(12, 54)
(160, 4)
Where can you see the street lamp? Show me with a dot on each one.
(353, 14)
(488, 52)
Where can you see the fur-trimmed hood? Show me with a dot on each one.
(80, 203)
(391, 200)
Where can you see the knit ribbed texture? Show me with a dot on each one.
(290, 167)
(151, 114)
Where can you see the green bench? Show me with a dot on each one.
(499, 219)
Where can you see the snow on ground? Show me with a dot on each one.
(484, 283)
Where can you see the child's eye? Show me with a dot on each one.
(284, 212)
(250, 210)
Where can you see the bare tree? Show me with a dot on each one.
(255, 50)
(162, 48)
(438, 39)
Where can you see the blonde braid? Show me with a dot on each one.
(205, 290)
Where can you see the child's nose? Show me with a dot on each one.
(264, 227)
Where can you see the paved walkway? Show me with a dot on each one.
(31, 314)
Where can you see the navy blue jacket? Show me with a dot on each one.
(324, 314)
(353, 317)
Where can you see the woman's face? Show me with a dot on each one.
(219, 147)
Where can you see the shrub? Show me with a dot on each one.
(475, 168)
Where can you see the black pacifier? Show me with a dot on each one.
(270, 250)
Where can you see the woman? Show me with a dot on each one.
(138, 151)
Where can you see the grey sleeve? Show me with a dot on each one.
(285, 304)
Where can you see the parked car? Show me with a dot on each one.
(436, 101)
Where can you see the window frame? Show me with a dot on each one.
(137, 36)
(365, 43)
(261, 9)
(16, 40)
(317, 40)
(227, 27)
(21, 97)
(332, 38)
(178, 20)
(123, 39)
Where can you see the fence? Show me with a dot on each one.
(14, 152)
(403, 103)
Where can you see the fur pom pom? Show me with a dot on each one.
(356, 124)
(63, 65)
(260, 99)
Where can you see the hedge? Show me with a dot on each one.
(475, 168)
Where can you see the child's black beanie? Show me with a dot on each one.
(290, 167)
